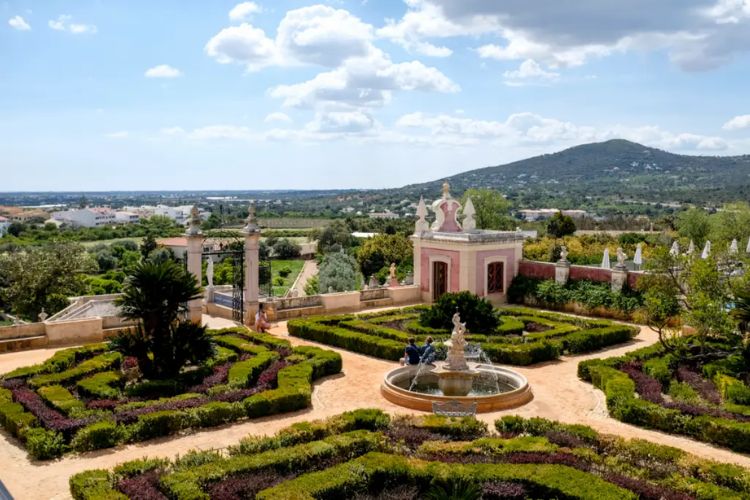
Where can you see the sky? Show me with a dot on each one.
(289, 94)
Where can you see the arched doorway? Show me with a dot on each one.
(439, 279)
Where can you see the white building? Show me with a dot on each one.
(547, 213)
(86, 217)
(383, 215)
(125, 217)
(4, 225)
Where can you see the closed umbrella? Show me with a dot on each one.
(605, 259)
(747, 250)
(691, 248)
(638, 257)
(675, 250)
(733, 248)
(706, 250)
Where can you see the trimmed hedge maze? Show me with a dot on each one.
(525, 336)
(80, 399)
(649, 388)
(364, 454)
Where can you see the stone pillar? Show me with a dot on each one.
(562, 272)
(417, 251)
(619, 278)
(194, 256)
(252, 261)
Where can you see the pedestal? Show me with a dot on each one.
(562, 272)
(619, 278)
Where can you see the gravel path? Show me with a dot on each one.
(558, 394)
(309, 269)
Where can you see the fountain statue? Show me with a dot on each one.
(457, 380)
(455, 376)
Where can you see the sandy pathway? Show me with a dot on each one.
(558, 395)
(309, 269)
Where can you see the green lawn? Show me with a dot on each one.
(294, 265)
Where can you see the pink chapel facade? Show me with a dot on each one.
(452, 256)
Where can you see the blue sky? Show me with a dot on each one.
(119, 95)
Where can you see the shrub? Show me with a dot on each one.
(94, 485)
(93, 365)
(44, 444)
(102, 385)
(338, 273)
(242, 373)
(285, 271)
(156, 424)
(60, 398)
(475, 311)
(95, 436)
(286, 249)
(216, 413)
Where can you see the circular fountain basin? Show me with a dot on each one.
(493, 388)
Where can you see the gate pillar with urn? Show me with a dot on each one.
(252, 262)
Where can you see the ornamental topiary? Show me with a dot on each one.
(476, 312)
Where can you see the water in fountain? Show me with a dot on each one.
(421, 368)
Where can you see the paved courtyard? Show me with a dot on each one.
(558, 394)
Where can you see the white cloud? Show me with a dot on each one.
(424, 20)
(222, 132)
(531, 129)
(341, 122)
(163, 71)
(243, 44)
(737, 123)
(62, 23)
(243, 11)
(364, 82)
(277, 117)
(529, 73)
(359, 74)
(19, 23)
(697, 34)
(120, 134)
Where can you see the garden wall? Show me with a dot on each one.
(534, 269)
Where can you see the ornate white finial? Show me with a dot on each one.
(446, 190)
(421, 225)
(43, 315)
(251, 224)
(194, 225)
(469, 224)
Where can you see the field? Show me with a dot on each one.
(294, 267)
(654, 389)
(366, 454)
(525, 336)
(88, 398)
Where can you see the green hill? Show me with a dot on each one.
(614, 171)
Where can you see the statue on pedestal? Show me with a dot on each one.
(392, 278)
(210, 272)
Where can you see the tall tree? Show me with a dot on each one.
(492, 209)
(381, 250)
(561, 225)
(694, 224)
(43, 277)
(155, 295)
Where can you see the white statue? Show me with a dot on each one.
(210, 272)
(563, 253)
(621, 257)
(459, 329)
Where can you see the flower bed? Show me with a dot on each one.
(384, 334)
(365, 454)
(78, 400)
(651, 389)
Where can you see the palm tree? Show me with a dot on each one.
(155, 296)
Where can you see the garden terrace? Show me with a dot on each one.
(524, 336)
(653, 389)
(366, 454)
(85, 398)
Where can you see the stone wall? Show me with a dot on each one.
(534, 269)
(590, 273)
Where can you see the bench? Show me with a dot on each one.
(454, 408)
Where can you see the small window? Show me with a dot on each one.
(495, 277)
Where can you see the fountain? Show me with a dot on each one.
(456, 379)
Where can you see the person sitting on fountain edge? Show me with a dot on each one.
(411, 353)
(428, 351)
